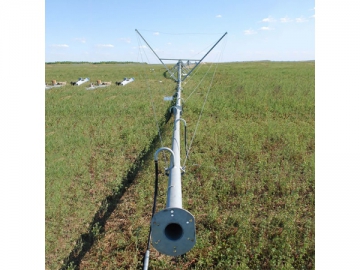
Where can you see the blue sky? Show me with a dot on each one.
(88, 30)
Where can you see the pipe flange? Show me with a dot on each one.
(173, 231)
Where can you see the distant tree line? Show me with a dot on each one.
(95, 63)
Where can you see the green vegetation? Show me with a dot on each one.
(249, 181)
(93, 139)
(94, 63)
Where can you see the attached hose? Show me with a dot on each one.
(147, 253)
(186, 151)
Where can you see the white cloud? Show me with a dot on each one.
(60, 45)
(127, 40)
(156, 33)
(269, 19)
(105, 46)
(265, 28)
(218, 16)
(140, 47)
(312, 17)
(301, 20)
(169, 43)
(286, 19)
(82, 40)
(249, 32)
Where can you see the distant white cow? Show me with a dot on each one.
(125, 81)
(80, 81)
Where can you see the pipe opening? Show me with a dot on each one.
(173, 231)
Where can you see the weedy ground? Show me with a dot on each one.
(249, 181)
(94, 138)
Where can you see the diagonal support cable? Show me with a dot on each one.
(204, 56)
(171, 74)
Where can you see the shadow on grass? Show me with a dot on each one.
(108, 205)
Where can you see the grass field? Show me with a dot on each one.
(249, 180)
(93, 139)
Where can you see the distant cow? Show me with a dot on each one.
(98, 82)
(54, 83)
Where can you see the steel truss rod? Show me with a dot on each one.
(204, 56)
(172, 75)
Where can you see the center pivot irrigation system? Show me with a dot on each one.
(172, 230)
